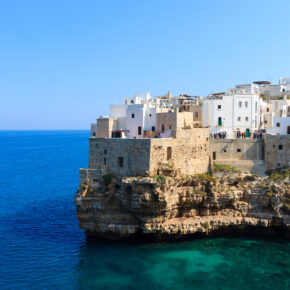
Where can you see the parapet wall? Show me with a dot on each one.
(236, 149)
(277, 151)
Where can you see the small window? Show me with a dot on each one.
(239, 150)
(139, 130)
(169, 153)
(247, 119)
(132, 101)
(278, 164)
(240, 104)
(277, 124)
(105, 161)
(225, 151)
(246, 104)
(153, 128)
(133, 116)
(266, 121)
(239, 119)
(120, 161)
(268, 110)
(280, 147)
(105, 151)
(94, 134)
(150, 115)
(162, 128)
(169, 127)
(196, 114)
(219, 107)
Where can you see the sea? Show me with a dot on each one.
(42, 247)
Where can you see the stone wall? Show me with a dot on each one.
(277, 151)
(189, 154)
(236, 149)
(105, 126)
(121, 157)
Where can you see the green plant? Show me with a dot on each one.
(107, 178)
(205, 225)
(224, 167)
(280, 173)
(160, 178)
(206, 177)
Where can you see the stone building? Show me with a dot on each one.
(277, 151)
(188, 154)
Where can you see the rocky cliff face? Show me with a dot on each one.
(181, 206)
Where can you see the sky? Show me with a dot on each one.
(62, 63)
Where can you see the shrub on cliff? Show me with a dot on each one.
(280, 173)
(107, 178)
(160, 178)
(224, 167)
(206, 177)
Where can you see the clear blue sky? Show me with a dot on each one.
(62, 63)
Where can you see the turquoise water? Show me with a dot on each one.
(41, 246)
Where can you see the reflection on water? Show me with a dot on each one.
(41, 246)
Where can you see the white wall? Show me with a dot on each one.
(284, 123)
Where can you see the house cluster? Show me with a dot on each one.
(246, 111)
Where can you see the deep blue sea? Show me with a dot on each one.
(41, 246)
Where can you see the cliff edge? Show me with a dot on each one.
(180, 206)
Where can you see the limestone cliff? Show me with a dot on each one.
(181, 206)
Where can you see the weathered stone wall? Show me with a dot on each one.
(188, 153)
(197, 113)
(107, 153)
(174, 120)
(105, 126)
(277, 151)
(236, 149)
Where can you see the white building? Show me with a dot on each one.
(136, 115)
(281, 126)
(232, 113)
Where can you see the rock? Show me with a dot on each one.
(182, 205)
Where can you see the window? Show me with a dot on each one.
(240, 104)
(225, 151)
(169, 153)
(219, 121)
(268, 110)
(132, 101)
(239, 150)
(105, 161)
(277, 124)
(239, 119)
(105, 151)
(139, 130)
(213, 155)
(94, 134)
(256, 107)
(196, 114)
(246, 104)
(219, 107)
(280, 147)
(153, 128)
(169, 127)
(266, 121)
(162, 128)
(150, 115)
(247, 119)
(288, 130)
(120, 161)
(133, 116)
